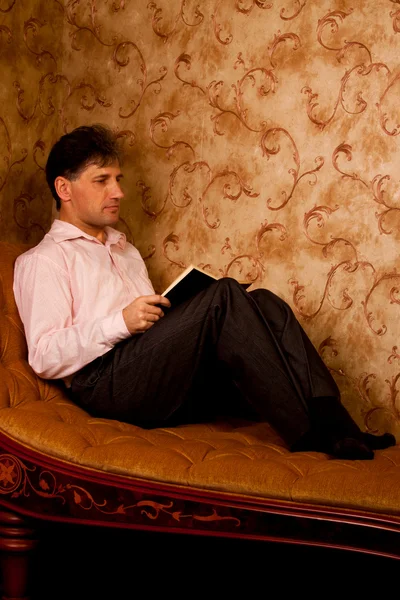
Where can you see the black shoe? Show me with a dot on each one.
(344, 448)
(334, 432)
(351, 449)
(379, 442)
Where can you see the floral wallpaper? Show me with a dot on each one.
(261, 141)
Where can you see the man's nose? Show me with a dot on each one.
(117, 190)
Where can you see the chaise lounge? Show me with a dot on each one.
(231, 478)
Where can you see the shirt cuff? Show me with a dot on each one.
(114, 328)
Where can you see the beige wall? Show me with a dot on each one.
(262, 141)
(30, 59)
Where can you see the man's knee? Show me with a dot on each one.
(228, 282)
(227, 292)
(276, 308)
(272, 306)
(262, 296)
(228, 287)
(262, 293)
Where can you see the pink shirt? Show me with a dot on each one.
(70, 290)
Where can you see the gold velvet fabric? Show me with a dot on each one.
(261, 141)
(229, 456)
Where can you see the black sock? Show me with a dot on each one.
(345, 447)
(352, 449)
(309, 442)
(333, 431)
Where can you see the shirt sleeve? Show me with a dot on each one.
(56, 346)
(137, 269)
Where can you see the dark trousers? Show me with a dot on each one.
(219, 352)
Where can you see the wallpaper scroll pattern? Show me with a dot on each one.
(261, 141)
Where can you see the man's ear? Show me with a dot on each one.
(63, 188)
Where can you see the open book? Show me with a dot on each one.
(191, 281)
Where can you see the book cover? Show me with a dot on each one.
(191, 281)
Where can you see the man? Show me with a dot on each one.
(92, 318)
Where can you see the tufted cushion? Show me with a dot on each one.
(231, 456)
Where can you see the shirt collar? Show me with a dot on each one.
(62, 231)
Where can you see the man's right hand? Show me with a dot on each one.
(143, 312)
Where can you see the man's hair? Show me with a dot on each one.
(84, 146)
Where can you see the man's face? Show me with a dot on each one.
(95, 198)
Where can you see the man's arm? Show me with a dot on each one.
(57, 347)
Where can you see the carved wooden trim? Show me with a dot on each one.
(47, 488)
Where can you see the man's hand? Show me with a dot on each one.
(143, 312)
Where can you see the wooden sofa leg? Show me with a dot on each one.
(16, 544)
